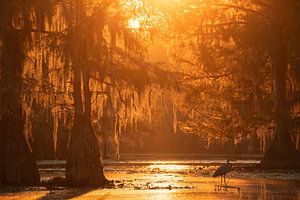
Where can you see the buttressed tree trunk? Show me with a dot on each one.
(84, 166)
(17, 165)
(282, 152)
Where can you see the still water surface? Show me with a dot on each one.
(172, 179)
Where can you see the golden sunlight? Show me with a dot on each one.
(167, 167)
(134, 24)
(150, 99)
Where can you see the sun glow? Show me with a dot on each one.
(134, 24)
(167, 167)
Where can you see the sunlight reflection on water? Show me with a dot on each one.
(201, 167)
(172, 179)
(168, 167)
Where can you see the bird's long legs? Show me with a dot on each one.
(223, 179)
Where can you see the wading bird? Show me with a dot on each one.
(223, 170)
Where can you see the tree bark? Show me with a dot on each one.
(17, 165)
(83, 162)
(84, 166)
(63, 135)
(282, 152)
(42, 140)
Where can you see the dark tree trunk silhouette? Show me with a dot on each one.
(84, 166)
(63, 134)
(282, 152)
(17, 165)
(42, 140)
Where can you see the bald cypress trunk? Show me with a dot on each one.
(17, 165)
(282, 152)
(84, 166)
